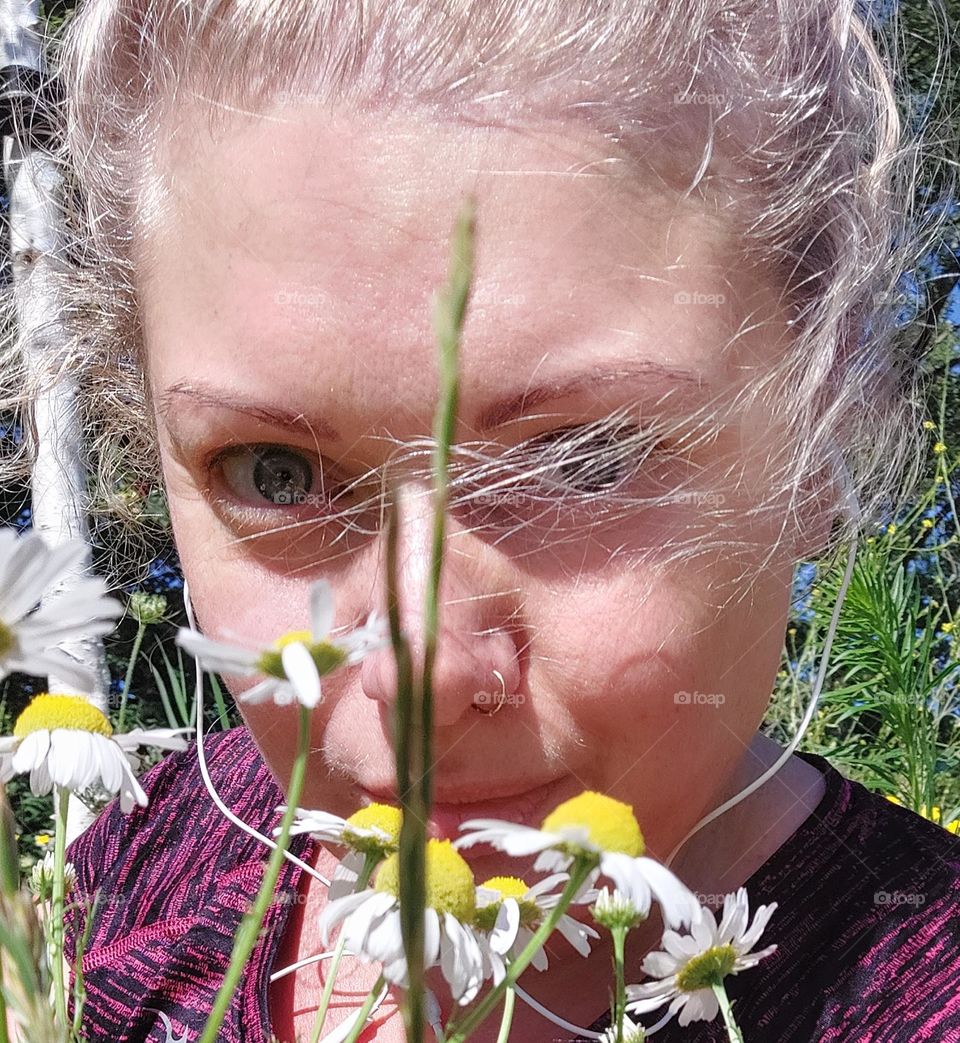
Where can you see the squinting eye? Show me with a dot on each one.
(590, 462)
(269, 473)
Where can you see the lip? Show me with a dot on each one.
(526, 807)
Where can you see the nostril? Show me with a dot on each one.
(481, 672)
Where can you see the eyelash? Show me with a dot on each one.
(568, 451)
(590, 453)
(260, 452)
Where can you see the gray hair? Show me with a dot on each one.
(787, 107)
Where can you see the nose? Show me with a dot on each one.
(472, 638)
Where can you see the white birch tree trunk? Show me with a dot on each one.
(37, 243)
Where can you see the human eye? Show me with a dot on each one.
(283, 502)
(594, 459)
(265, 477)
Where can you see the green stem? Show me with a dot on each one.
(733, 1031)
(412, 841)
(509, 999)
(364, 1011)
(137, 641)
(334, 966)
(620, 997)
(414, 705)
(369, 864)
(249, 930)
(61, 802)
(580, 871)
(79, 987)
(4, 1037)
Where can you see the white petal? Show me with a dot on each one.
(337, 911)
(752, 959)
(31, 752)
(131, 793)
(628, 875)
(162, 738)
(36, 567)
(299, 666)
(71, 759)
(321, 824)
(514, 839)
(655, 996)
(507, 924)
(704, 930)
(701, 1005)
(760, 920)
(542, 888)
(54, 662)
(577, 934)
(550, 861)
(431, 940)
(661, 964)
(539, 961)
(345, 876)
(261, 692)
(216, 655)
(677, 902)
(461, 961)
(384, 941)
(322, 609)
(680, 946)
(40, 781)
(735, 916)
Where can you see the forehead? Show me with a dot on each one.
(320, 238)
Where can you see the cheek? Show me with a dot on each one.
(672, 693)
(667, 667)
(233, 599)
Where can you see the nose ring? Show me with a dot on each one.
(499, 701)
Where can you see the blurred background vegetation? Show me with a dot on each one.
(890, 714)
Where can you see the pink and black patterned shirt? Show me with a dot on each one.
(868, 924)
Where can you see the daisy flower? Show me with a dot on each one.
(509, 912)
(64, 740)
(41, 877)
(29, 571)
(371, 922)
(596, 828)
(632, 1033)
(293, 664)
(371, 834)
(614, 910)
(692, 964)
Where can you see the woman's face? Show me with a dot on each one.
(288, 318)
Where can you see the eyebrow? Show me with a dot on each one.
(207, 395)
(660, 375)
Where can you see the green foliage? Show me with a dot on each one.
(889, 714)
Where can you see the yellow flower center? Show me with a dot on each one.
(383, 817)
(8, 641)
(450, 883)
(707, 968)
(507, 887)
(327, 657)
(610, 824)
(294, 635)
(61, 711)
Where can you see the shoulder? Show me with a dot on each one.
(174, 880)
(158, 861)
(868, 900)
